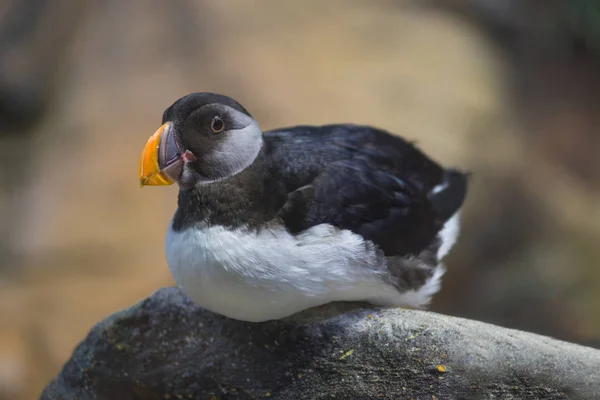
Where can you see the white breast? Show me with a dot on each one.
(272, 274)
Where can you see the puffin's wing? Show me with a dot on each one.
(299, 154)
(375, 204)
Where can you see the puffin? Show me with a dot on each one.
(271, 223)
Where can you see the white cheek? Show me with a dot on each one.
(239, 149)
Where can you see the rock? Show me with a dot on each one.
(165, 347)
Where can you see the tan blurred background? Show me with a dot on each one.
(509, 90)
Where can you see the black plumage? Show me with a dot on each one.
(353, 177)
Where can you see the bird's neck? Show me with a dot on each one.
(248, 199)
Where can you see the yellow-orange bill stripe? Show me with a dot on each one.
(148, 169)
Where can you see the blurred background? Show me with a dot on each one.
(508, 89)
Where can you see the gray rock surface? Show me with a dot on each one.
(165, 347)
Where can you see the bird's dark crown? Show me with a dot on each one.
(184, 106)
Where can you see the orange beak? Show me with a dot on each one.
(161, 162)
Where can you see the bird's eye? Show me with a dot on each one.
(217, 125)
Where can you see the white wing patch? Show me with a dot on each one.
(449, 235)
(439, 188)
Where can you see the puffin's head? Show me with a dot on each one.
(203, 137)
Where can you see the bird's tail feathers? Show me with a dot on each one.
(449, 195)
